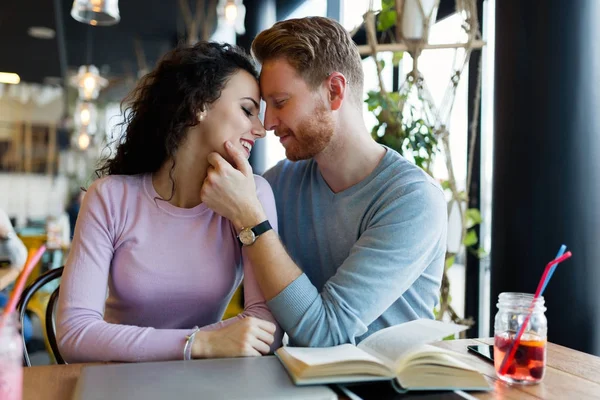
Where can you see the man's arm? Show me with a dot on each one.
(387, 259)
(231, 193)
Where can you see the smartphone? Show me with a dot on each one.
(484, 351)
(383, 390)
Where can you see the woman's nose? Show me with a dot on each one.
(259, 130)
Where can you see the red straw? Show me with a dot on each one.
(510, 355)
(19, 286)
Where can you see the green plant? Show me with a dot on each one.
(402, 126)
(406, 122)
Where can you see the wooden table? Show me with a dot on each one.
(570, 375)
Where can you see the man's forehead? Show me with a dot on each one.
(278, 76)
(278, 68)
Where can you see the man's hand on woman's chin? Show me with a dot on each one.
(231, 191)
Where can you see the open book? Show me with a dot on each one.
(399, 353)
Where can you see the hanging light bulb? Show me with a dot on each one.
(86, 116)
(89, 82)
(83, 140)
(96, 12)
(231, 11)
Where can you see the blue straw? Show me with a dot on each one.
(561, 251)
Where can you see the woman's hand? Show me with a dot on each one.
(247, 337)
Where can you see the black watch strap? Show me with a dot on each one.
(262, 228)
(249, 235)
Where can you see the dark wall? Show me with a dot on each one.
(260, 15)
(546, 160)
(286, 7)
(473, 266)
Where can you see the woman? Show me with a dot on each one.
(169, 263)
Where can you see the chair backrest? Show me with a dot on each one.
(51, 327)
(22, 307)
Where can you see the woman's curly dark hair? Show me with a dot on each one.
(165, 103)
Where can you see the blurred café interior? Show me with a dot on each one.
(509, 90)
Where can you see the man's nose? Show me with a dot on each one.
(271, 120)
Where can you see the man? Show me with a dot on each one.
(364, 228)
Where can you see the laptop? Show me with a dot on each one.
(228, 378)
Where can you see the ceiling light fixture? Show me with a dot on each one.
(86, 116)
(231, 11)
(9, 77)
(41, 32)
(83, 140)
(89, 82)
(96, 12)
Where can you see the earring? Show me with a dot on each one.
(201, 114)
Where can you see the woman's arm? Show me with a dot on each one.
(254, 301)
(82, 333)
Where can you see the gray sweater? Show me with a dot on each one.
(372, 255)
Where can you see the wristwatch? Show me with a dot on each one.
(248, 236)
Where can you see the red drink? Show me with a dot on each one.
(11, 381)
(529, 362)
(11, 358)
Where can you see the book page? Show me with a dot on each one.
(329, 355)
(431, 355)
(391, 343)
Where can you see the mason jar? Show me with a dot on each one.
(528, 364)
(11, 358)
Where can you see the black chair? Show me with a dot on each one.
(50, 330)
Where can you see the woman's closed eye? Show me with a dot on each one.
(247, 112)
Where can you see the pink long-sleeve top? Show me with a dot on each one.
(142, 273)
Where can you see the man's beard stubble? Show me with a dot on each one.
(312, 136)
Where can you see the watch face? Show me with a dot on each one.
(247, 236)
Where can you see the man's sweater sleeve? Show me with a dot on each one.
(403, 238)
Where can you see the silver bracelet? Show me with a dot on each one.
(187, 349)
